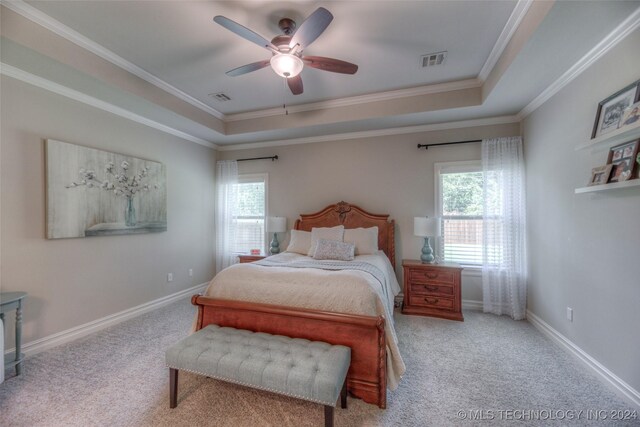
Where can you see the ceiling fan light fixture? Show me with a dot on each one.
(287, 60)
(286, 65)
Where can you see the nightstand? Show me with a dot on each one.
(432, 289)
(250, 258)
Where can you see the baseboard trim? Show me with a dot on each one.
(42, 344)
(470, 304)
(622, 387)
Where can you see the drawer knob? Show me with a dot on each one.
(431, 275)
(431, 288)
(431, 300)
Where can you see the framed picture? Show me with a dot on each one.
(630, 116)
(611, 109)
(622, 171)
(92, 192)
(623, 151)
(600, 175)
(622, 158)
(617, 154)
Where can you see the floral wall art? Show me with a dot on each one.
(96, 193)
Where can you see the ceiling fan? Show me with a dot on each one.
(287, 59)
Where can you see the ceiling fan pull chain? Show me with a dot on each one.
(284, 95)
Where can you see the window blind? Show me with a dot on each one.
(461, 239)
(250, 221)
(460, 207)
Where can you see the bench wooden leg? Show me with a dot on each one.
(173, 388)
(343, 395)
(328, 416)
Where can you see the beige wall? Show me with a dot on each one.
(74, 281)
(383, 175)
(584, 247)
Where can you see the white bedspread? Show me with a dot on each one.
(342, 291)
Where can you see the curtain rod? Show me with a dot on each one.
(426, 146)
(272, 158)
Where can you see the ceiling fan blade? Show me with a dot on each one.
(311, 28)
(248, 68)
(295, 84)
(244, 32)
(330, 64)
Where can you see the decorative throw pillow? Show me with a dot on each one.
(334, 249)
(327, 233)
(365, 239)
(300, 242)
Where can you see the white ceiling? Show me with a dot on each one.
(177, 42)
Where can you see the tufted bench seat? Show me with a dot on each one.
(308, 370)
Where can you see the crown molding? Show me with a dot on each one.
(26, 77)
(609, 42)
(44, 20)
(360, 99)
(516, 17)
(374, 133)
(518, 13)
(18, 74)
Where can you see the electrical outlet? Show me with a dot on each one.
(191, 272)
(170, 277)
(570, 314)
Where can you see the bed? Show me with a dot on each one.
(369, 334)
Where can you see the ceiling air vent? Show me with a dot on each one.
(432, 59)
(220, 97)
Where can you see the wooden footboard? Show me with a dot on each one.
(367, 378)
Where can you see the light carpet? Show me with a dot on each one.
(474, 369)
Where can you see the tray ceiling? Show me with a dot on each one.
(175, 46)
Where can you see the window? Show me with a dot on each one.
(252, 212)
(459, 204)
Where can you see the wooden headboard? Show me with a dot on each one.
(352, 216)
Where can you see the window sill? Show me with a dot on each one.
(471, 271)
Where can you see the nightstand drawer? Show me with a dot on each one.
(432, 289)
(439, 303)
(431, 276)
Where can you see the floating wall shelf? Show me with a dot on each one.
(621, 135)
(618, 136)
(611, 186)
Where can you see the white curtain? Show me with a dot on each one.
(226, 212)
(504, 267)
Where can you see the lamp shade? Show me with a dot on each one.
(426, 227)
(286, 65)
(277, 224)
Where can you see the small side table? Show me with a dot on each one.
(250, 258)
(432, 289)
(13, 301)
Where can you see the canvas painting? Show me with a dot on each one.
(97, 193)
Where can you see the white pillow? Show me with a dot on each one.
(334, 249)
(333, 233)
(365, 239)
(300, 242)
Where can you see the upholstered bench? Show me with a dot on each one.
(308, 370)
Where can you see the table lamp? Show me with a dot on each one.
(426, 227)
(275, 225)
